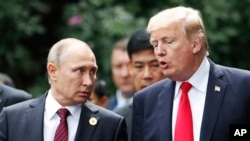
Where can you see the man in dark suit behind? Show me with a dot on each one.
(10, 96)
(219, 95)
(72, 70)
(121, 76)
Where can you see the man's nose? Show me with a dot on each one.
(160, 50)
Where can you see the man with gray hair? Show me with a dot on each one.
(64, 112)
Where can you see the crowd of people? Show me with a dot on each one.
(168, 89)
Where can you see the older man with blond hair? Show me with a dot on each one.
(199, 100)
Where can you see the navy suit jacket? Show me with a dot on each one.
(152, 107)
(24, 122)
(10, 95)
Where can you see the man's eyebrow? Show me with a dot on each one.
(138, 62)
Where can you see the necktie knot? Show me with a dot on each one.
(63, 113)
(185, 87)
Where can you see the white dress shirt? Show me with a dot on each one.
(52, 120)
(197, 95)
(121, 101)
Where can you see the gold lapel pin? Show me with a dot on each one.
(93, 121)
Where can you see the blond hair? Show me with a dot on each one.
(192, 24)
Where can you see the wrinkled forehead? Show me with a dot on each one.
(78, 51)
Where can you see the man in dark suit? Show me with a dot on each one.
(121, 76)
(143, 66)
(72, 70)
(10, 96)
(219, 96)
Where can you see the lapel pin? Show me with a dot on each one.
(92, 121)
(217, 88)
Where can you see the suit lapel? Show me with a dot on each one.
(165, 104)
(214, 99)
(35, 116)
(87, 123)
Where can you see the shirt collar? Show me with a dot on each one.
(121, 99)
(51, 107)
(199, 79)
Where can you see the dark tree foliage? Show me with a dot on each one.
(30, 27)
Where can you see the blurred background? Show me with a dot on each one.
(28, 28)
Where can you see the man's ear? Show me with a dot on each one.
(51, 68)
(197, 44)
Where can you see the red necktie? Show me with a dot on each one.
(184, 123)
(62, 129)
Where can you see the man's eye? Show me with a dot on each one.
(155, 45)
(155, 65)
(93, 72)
(79, 70)
(118, 66)
(138, 67)
(169, 41)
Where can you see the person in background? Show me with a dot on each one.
(6, 79)
(99, 93)
(10, 95)
(198, 100)
(144, 69)
(121, 76)
(64, 113)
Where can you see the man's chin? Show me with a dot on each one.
(81, 100)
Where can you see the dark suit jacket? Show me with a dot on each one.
(24, 122)
(152, 107)
(10, 95)
(126, 112)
